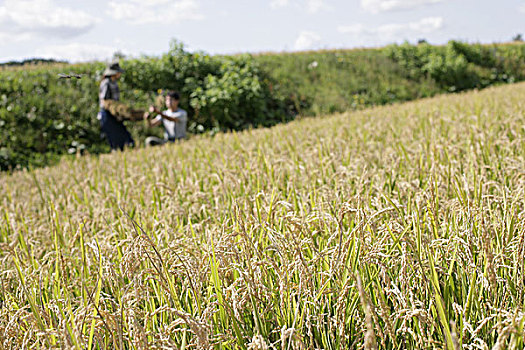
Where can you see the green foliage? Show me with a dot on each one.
(43, 117)
(459, 66)
(237, 97)
(220, 92)
(334, 81)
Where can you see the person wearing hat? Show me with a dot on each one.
(114, 129)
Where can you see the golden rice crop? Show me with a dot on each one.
(394, 227)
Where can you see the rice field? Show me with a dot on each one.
(394, 227)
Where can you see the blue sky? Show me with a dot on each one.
(95, 29)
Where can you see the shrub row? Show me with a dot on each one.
(43, 117)
(458, 66)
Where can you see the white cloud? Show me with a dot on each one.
(314, 6)
(9, 38)
(23, 19)
(279, 3)
(307, 40)
(154, 2)
(77, 52)
(151, 11)
(395, 30)
(376, 6)
(355, 29)
(311, 6)
(522, 8)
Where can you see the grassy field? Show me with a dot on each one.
(394, 227)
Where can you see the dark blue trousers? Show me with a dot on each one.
(116, 133)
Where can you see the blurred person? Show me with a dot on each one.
(174, 120)
(113, 128)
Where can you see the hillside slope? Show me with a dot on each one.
(400, 225)
(43, 116)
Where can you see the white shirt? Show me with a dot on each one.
(177, 129)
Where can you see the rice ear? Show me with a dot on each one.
(121, 111)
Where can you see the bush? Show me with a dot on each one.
(459, 66)
(220, 92)
(43, 117)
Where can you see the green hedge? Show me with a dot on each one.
(220, 92)
(43, 117)
(458, 66)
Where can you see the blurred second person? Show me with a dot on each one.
(174, 120)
